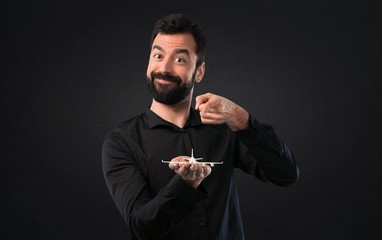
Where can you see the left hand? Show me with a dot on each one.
(215, 109)
(193, 175)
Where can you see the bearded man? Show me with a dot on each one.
(183, 200)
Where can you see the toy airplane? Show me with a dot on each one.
(193, 161)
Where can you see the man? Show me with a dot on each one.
(183, 200)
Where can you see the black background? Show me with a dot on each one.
(72, 70)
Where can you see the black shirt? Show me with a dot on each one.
(157, 204)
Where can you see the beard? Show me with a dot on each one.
(168, 93)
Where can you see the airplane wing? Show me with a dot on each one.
(193, 161)
(212, 164)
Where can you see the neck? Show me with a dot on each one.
(176, 114)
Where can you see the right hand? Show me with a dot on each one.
(216, 109)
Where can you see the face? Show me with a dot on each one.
(171, 72)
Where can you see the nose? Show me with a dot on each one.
(166, 65)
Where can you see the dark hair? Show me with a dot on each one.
(180, 23)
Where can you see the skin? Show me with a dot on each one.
(176, 54)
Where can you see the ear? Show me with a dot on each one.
(200, 73)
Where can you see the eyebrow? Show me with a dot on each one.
(182, 51)
(177, 51)
(158, 47)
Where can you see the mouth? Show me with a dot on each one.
(165, 78)
(164, 81)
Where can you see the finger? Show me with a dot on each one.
(192, 175)
(213, 116)
(193, 168)
(200, 173)
(182, 171)
(175, 163)
(201, 107)
(210, 120)
(173, 166)
(197, 175)
(206, 108)
(201, 99)
(207, 170)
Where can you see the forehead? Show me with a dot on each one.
(170, 42)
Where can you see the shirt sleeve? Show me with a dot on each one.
(263, 154)
(148, 216)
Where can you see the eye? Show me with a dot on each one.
(179, 60)
(157, 56)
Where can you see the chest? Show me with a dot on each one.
(211, 144)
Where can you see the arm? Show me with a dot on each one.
(148, 216)
(263, 154)
(274, 161)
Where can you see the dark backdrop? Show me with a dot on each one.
(72, 70)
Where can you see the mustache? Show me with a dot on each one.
(166, 76)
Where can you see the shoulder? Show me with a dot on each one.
(131, 123)
(128, 128)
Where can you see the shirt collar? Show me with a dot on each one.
(154, 120)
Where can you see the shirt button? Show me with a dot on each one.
(202, 224)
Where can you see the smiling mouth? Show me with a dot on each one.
(164, 81)
(165, 78)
